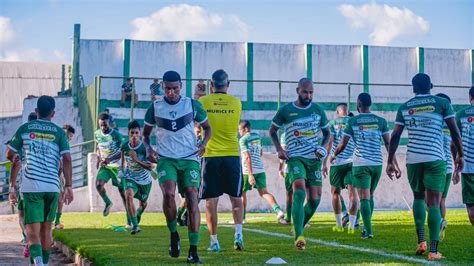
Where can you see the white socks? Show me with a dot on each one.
(238, 229)
(339, 220)
(352, 221)
(214, 239)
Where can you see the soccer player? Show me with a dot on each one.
(44, 144)
(16, 174)
(253, 170)
(366, 130)
(283, 173)
(449, 152)
(109, 142)
(178, 152)
(70, 131)
(423, 116)
(222, 170)
(340, 175)
(136, 173)
(465, 122)
(303, 122)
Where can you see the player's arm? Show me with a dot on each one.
(394, 141)
(99, 157)
(122, 160)
(457, 142)
(207, 136)
(341, 147)
(67, 173)
(328, 150)
(276, 142)
(386, 141)
(15, 169)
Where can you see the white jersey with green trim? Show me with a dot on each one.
(252, 143)
(465, 122)
(447, 149)
(423, 116)
(337, 127)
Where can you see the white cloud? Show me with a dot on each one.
(188, 22)
(386, 23)
(28, 54)
(59, 55)
(7, 35)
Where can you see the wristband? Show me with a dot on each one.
(322, 151)
(11, 190)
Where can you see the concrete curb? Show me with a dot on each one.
(73, 255)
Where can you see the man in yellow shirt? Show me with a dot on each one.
(222, 169)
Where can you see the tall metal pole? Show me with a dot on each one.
(75, 62)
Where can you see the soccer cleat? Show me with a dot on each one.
(345, 220)
(238, 242)
(442, 230)
(26, 251)
(128, 226)
(175, 245)
(300, 243)
(193, 258)
(136, 230)
(107, 209)
(366, 236)
(59, 226)
(357, 226)
(435, 256)
(283, 221)
(338, 229)
(421, 249)
(280, 216)
(214, 247)
(350, 231)
(308, 225)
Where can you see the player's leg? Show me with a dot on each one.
(231, 183)
(59, 212)
(415, 174)
(142, 196)
(289, 198)
(354, 207)
(211, 191)
(297, 175)
(313, 187)
(261, 185)
(361, 180)
(188, 184)
(120, 184)
(103, 177)
(34, 216)
(336, 180)
(130, 191)
(122, 98)
(33, 231)
(181, 211)
(246, 187)
(467, 183)
(444, 222)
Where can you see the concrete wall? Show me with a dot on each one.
(20, 79)
(8, 126)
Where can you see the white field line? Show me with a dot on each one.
(338, 245)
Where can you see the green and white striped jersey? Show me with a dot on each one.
(367, 129)
(109, 145)
(252, 143)
(43, 144)
(337, 127)
(302, 128)
(465, 122)
(447, 149)
(423, 116)
(133, 170)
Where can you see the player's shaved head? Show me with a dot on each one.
(305, 91)
(305, 82)
(341, 109)
(245, 124)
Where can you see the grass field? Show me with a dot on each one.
(394, 242)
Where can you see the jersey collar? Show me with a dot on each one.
(422, 95)
(301, 108)
(138, 146)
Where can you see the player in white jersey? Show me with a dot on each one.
(341, 171)
(177, 152)
(253, 169)
(424, 116)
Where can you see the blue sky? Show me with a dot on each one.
(41, 30)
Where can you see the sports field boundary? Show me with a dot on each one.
(72, 254)
(339, 245)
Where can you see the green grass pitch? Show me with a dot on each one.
(395, 241)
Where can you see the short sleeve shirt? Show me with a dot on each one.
(252, 143)
(302, 128)
(109, 145)
(465, 122)
(423, 116)
(337, 127)
(366, 130)
(127, 88)
(133, 170)
(43, 143)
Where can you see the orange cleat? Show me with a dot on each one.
(435, 256)
(421, 249)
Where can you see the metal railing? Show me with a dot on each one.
(79, 168)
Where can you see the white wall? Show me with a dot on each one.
(8, 126)
(20, 79)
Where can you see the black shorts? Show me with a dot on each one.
(221, 175)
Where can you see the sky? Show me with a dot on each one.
(41, 30)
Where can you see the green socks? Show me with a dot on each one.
(245, 212)
(35, 251)
(106, 199)
(419, 213)
(58, 218)
(371, 206)
(298, 211)
(172, 225)
(134, 221)
(434, 222)
(139, 215)
(46, 254)
(366, 215)
(288, 213)
(310, 209)
(193, 238)
(276, 208)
